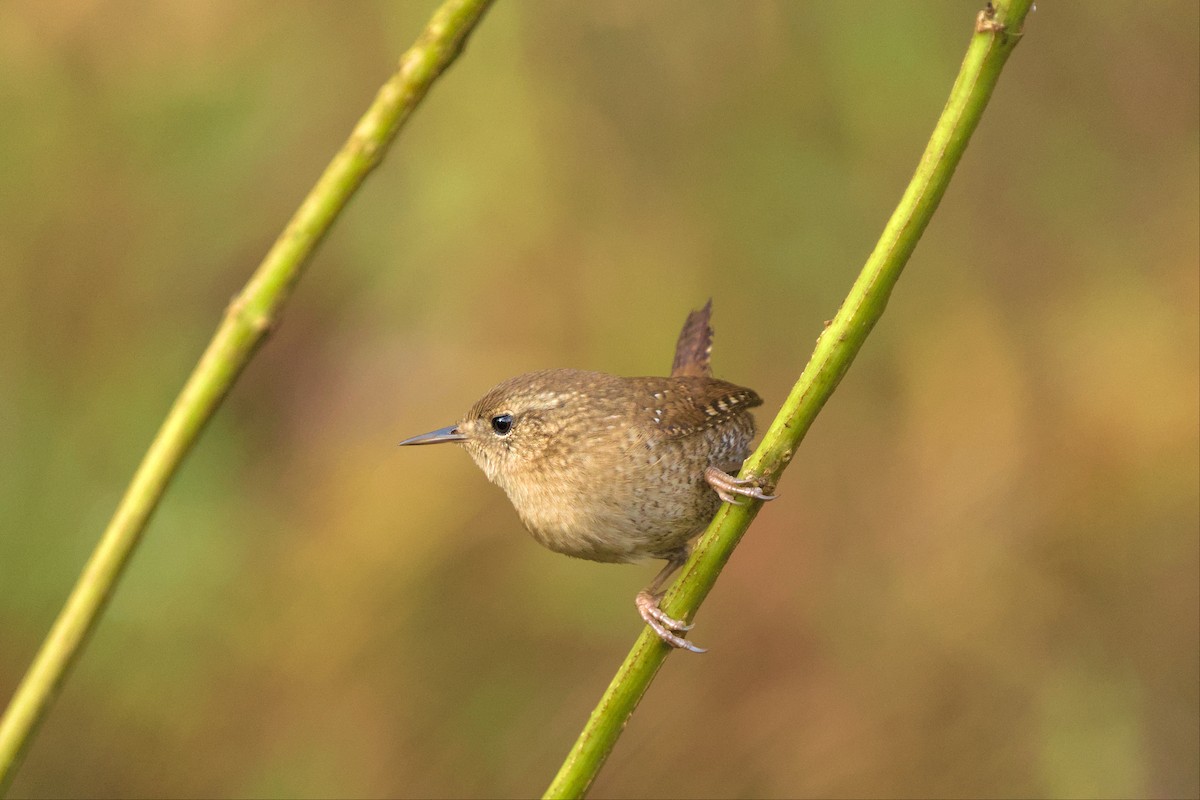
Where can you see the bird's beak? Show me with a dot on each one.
(450, 434)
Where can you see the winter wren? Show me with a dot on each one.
(617, 469)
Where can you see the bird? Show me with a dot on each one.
(618, 469)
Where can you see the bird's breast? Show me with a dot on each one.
(633, 495)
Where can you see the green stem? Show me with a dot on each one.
(995, 37)
(247, 321)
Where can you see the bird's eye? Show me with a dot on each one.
(502, 424)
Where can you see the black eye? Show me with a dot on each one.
(502, 424)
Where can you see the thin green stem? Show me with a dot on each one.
(246, 323)
(996, 34)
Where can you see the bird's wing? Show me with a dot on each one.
(680, 407)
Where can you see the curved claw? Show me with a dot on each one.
(672, 639)
(648, 607)
(728, 487)
(665, 626)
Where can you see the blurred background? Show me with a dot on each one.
(981, 577)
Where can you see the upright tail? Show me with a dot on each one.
(694, 347)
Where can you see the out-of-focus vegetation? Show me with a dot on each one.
(981, 576)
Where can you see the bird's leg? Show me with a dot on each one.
(666, 627)
(727, 486)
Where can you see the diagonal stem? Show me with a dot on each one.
(247, 321)
(997, 31)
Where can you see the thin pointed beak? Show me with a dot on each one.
(450, 434)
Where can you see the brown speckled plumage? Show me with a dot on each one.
(610, 468)
(617, 469)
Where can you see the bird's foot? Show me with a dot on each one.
(728, 487)
(667, 628)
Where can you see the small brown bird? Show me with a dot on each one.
(617, 469)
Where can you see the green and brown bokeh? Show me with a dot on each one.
(981, 576)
